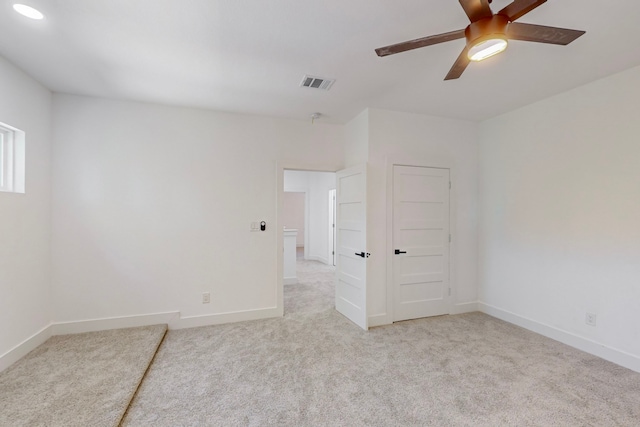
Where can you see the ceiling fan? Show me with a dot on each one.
(488, 33)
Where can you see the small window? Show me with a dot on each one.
(12, 153)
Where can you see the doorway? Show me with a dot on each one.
(310, 286)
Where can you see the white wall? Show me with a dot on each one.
(317, 186)
(295, 183)
(560, 216)
(294, 214)
(25, 218)
(145, 219)
(152, 206)
(433, 141)
(356, 149)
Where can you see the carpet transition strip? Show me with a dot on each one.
(84, 379)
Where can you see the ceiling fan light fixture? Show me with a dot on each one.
(28, 11)
(488, 32)
(487, 48)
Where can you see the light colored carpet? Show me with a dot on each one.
(314, 368)
(78, 380)
(314, 291)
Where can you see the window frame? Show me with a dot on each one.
(12, 159)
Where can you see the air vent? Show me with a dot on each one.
(316, 82)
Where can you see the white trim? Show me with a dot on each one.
(6, 159)
(221, 318)
(172, 318)
(307, 213)
(379, 320)
(331, 237)
(94, 325)
(466, 307)
(22, 349)
(12, 156)
(614, 355)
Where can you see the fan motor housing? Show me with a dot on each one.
(484, 29)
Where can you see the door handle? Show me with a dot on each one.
(363, 255)
(398, 252)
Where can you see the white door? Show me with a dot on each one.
(332, 226)
(421, 242)
(351, 236)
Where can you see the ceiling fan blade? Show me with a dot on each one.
(542, 34)
(415, 44)
(519, 8)
(459, 66)
(476, 9)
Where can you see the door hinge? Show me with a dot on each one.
(333, 252)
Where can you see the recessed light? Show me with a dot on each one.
(28, 11)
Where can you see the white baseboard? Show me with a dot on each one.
(94, 325)
(172, 319)
(218, 319)
(21, 350)
(379, 320)
(467, 307)
(290, 280)
(318, 258)
(616, 356)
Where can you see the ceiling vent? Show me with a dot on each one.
(316, 82)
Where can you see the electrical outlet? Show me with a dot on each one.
(206, 298)
(590, 319)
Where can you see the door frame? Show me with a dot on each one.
(332, 230)
(280, 168)
(425, 161)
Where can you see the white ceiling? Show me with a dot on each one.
(249, 56)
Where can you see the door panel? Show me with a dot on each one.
(351, 227)
(421, 233)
